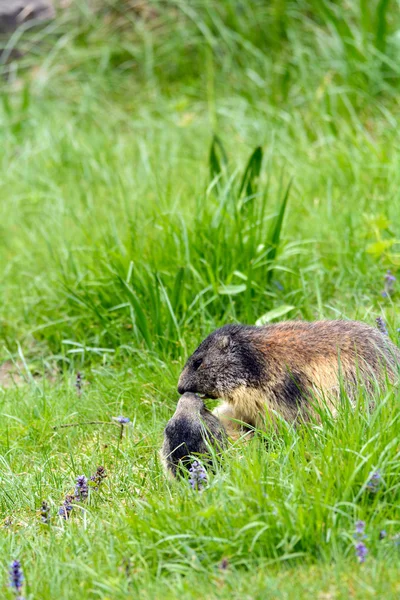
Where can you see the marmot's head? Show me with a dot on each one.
(225, 360)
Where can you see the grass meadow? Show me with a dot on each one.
(166, 168)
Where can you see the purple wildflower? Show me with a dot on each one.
(360, 526)
(382, 534)
(66, 507)
(198, 476)
(382, 326)
(122, 420)
(361, 549)
(361, 552)
(81, 488)
(374, 481)
(98, 477)
(45, 513)
(16, 577)
(78, 383)
(389, 284)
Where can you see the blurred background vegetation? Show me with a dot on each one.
(147, 153)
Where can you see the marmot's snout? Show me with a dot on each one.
(190, 383)
(194, 380)
(185, 385)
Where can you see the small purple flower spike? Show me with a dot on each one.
(198, 476)
(361, 552)
(78, 383)
(66, 508)
(382, 534)
(360, 526)
(374, 481)
(45, 513)
(16, 577)
(81, 488)
(97, 478)
(361, 549)
(224, 564)
(390, 280)
(382, 326)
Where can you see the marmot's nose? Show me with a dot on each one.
(183, 383)
(187, 389)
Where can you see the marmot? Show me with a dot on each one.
(286, 366)
(192, 429)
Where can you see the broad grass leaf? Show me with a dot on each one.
(275, 314)
(218, 158)
(275, 234)
(251, 173)
(232, 290)
(379, 248)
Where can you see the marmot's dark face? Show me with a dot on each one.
(224, 361)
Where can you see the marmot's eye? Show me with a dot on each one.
(197, 363)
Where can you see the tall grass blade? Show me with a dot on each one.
(251, 173)
(218, 159)
(276, 231)
(140, 317)
(381, 25)
(176, 294)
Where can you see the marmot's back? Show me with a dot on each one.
(281, 365)
(348, 347)
(326, 355)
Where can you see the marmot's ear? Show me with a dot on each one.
(223, 342)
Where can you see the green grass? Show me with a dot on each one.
(163, 174)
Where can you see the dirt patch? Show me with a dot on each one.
(14, 374)
(11, 374)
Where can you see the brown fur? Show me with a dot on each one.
(285, 367)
